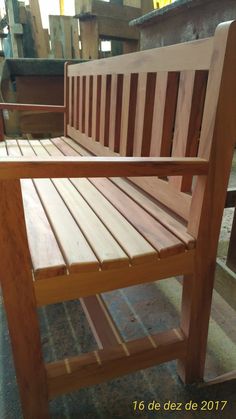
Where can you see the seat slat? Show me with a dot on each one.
(13, 148)
(103, 244)
(3, 149)
(138, 249)
(160, 238)
(74, 246)
(75, 249)
(171, 223)
(47, 259)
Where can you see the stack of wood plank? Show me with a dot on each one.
(27, 38)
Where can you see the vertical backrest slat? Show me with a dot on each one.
(195, 123)
(75, 113)
(66, 98)
(129, 99)
(80, 103)
(107, 110)
(183, 114)
(77, 104)
(103, 109)
(164, 113)
(83, 102)
(94, 107)
(140, 108)
(113, 111)
(71, 100)
(148, 114)
(158, 113)
(87, 97)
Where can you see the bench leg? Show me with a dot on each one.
(20, 304)
(196, 308)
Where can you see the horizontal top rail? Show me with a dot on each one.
(195, 55)
(48, 167)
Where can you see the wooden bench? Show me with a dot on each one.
(162, 126)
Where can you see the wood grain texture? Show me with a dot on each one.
(194, 55)
(13, 168)
(16, 280)
(93, 368)
(83, 284)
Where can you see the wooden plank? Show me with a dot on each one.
(74, 247)
(39, 37)
(182, 120)
(16, 44)
(63, 166)
(138, 249)
(89, 39)
(112, 122)
(66, 98)
(195, 55)
(13, 149)
(105, 247)
(164, 113)
(75, 250)
(110, 27)
(46, 256)
(3, 149)
(100, 321)
(140, 108)
(103, 109)
(209, 196)
(20, 304)
(64, 37)
(161, 239)
(93, 368)
(129, 99)
(54, 290)
(166, 194)
(165, 218)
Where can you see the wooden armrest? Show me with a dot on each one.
(31, 107)
(59, 167)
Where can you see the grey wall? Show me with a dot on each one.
(184, 22)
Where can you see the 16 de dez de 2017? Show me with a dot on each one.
(153, 405)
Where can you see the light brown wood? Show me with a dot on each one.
(209, 197)
(168, 220)
(93, 368)
(161, 239)
(107, 250)
(18, 293)
(101, 323)
(117, 233)
(13, 168)
(83, 284)
(137, 248)
(194, 55)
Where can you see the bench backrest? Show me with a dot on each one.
(173, 101)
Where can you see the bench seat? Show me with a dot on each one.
(107, 223)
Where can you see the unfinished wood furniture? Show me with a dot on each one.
(161, 124)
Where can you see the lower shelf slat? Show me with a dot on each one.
(101, 365)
